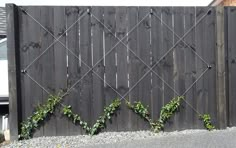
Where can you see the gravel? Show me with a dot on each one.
(119, 139)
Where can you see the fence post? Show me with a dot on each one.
(221, 69)
(13, 70)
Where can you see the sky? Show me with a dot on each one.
(110, 2)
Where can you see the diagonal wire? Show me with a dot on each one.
(191, 87)
(37, 83)
(91, 69)
(56, 39)
(181, 39)
(195, 81)
(135, 54)
(167, 52)
(86, 75)
(194, 53)
(152, 69)
(165, 55)
(106, 53)
(120, 40)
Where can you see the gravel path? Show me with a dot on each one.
(187, 138)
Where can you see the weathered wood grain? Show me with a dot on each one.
(231, 33)
(98, 100)
(190, 66)
(13, 70)
(86, 57)
(133, 62)
(157, 52)
(144, 53)
(110, 63)
(74, 67)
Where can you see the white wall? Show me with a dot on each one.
(111, 2)
(3, 78)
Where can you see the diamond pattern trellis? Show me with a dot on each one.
(120, 41)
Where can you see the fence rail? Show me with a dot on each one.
(147, 54)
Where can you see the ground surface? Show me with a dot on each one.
(183, 139)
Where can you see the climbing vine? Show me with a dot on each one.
(41, 113)
(139, 109)
(167, 112)
(207, 121)
(76, 118)
(100, 123)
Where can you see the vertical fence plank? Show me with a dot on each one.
(60, 65)
(144, 53)
(133, 62)
(86, 57)
(110, 63)
(22, 18)
(157, 52)
(13, 70)
(35, 71)
(74, 68)
(205, 45)
(210, 56)
(98, 84)
(232, 64)
(201, 100)
(122, 66)
(167, 61)
(30, 49)
(221, 69)
(179, 62)
(190, 69)
(48, 79)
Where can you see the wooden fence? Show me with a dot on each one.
(151, 54)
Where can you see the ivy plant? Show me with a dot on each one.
(108, 112)
(41, 113)
(100, 123)
(139, 109)
(207, 121)
(75, 117)
(167, 112)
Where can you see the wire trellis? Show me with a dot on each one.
(151, 13)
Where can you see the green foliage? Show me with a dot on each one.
(207, 121)
(41, 113)
(139, 109)
(100, 123)
(108, 112)
(167, 112)
(75, 118)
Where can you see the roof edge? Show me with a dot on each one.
(215, 2)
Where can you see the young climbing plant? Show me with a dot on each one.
(207, 121)
(167, 112)
(75, 118)
(100, 123)
(40, 114)
(45, 110)
(139, 109)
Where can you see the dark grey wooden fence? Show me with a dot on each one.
(191, 51)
